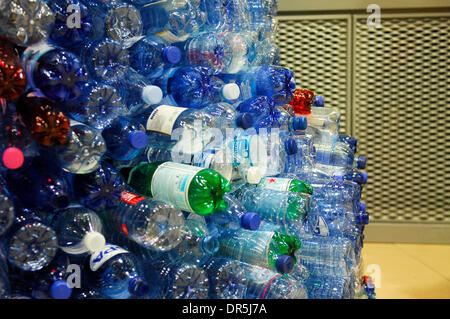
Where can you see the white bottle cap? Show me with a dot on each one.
(94, 241)
(231, 91)
(152, 94)
(254, 175)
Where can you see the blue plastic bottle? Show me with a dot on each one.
(115, 272)
(227, 279)
(56, 72)
(350, 141)
(326, 287)
(196, 87)
(151, 56)
(79, 230)
(99, 190)
(273, 81)
(125, 139)
(151, 223)
(30, 244)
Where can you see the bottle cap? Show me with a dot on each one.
(60, 199)
(362, 207)
(250, 221)
(319, 101)
(60, 290)
(231, 91)
(365, 218)
(291, 146)
(364, 177)
(13, 158)
(139, 287)
(353, 141)
(138, 139)
(171, 54)
(361, 162)
(254, 175)
(300, 123)
(292, 85)
(285, 264)
(210, 244)
(94, 241)
(152, 94)
(244, 120)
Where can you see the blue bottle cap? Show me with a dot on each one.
(319, 101)
(352, 141)
(171, 55)
(60, 290)
(285, 264)
(291, 146)
(138, 287)
(138, 139)
(362, 207)
(361, 162)
(300, 123)
(292, 85)
(244, 120)
(365, 218)
(251, 221)
(364, 177)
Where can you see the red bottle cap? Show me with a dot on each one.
(13, 158)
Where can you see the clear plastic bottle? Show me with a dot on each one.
(328, 287)
(79, 230)
(151, 223)
(323, 124)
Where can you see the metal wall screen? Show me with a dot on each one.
(400, 103)
(318, 51)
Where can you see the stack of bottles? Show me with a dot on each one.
(157, 150)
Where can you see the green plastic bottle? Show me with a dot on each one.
(189, 188)
(286, 184)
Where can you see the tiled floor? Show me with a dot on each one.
(409, 271)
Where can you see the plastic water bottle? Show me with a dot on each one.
(152, 56)
(26, 22)
(228, 15)
(124, 138)
(137, 92)
(79, 230)
(264, 283)
(327, 287)
(350, 141)
(56, 72)
(41, 186)
(107, 60)
(151, 223)
(116, 273)
(356, 176)
(227, 279)
(196, 87)
(99, 190)
(268, 249)
(68, 31)
(123, 23)
(13, 80)
(176, 280)
(235, 216)
(323, 124)
(83, 152)
(45, 122)
(257, 106)
(7, 212)
(29, 244)
(286, 185)
(189, 188)
(17, 146)
(336, 160)
(100, 105)
(273, 81)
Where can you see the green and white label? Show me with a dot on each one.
(277, 184)
(163, 118)
(171, 183)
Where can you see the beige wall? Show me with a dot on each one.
(319, 5)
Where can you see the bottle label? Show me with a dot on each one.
(276, 184)
(100, 257)
(321, 227)
(31, 57)
(171, 183)
(240, 148)
(163, 118)
(130, 198)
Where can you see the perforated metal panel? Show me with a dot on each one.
(318, 51)
(402, 116)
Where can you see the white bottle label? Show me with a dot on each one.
(171, 183)
(102, 256)
(277, 184)
(31, 56)
(163, 118)
(321, 227)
